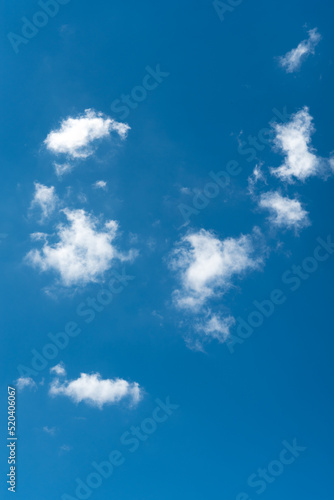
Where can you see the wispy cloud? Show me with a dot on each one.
(76, 135)
(293, 59)
(25, 383)
(45, 199)
(255, 178)
(95, 391)
(212, 327)
(284, 211)
(65, 448)
(62, 168)
(49, 430)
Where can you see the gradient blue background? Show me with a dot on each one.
(235, 410)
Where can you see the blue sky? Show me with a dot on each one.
(160, 227)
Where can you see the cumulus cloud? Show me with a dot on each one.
(293, 140)
(206, 265)
(25, 383)
(83, 251)
(293, 59)
(100, 185)
(285, 212)
(45, 199)
(58, 369)
(95, 391)
(75, 136)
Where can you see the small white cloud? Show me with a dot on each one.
(65, 448)
(46, 199)
(62, 169)
(38, 236)
(292, 60)
(83, 252)
(216, 327)
(75, 136)
(256, 177)
(285, 212)
(58, 369)
(258, 174)
(206, 266)
(95, 391)
(25, 383)
(49, 430)
(293, 140)
(100, 185)
(82, 197)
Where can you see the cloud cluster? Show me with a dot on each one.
(76, 135)
(82, 252)
(293, 59)
(206, 265)
(284, 211)
(95, 391)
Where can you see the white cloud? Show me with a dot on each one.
(62, 169)
(258, 174)
(58, 369)
(75, 136)
(285, 212)
(82, 253)
(95, 391)
(49, 430)
(45, 198)
(293, 140)
(256, 177)
(292, 60)
(100, 185)
(25, 383)
(214, 326)
(185, 190)
(38, 236)
(206, 266)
